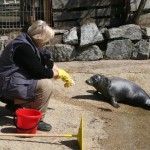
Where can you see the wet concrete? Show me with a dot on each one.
(106, 128)
(127, 129)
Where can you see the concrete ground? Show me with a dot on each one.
(105, 127)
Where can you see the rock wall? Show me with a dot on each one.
(89, 43)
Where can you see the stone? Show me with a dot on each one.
(62, 52)
(131, 31)
(90, 34)
(70, 37)
(119, 49)
(89, 53)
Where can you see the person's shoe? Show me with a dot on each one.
(42, 126)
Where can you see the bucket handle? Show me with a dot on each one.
(22, 128)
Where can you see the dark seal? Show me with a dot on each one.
(119, 90)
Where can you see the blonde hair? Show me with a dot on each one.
(40, 31)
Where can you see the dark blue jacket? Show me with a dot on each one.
(16, 83)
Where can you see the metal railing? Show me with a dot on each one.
(21, 13)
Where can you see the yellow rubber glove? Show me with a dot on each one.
(65, 77)
(67, 84)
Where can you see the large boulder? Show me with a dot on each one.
(114, 33)
(131, 31)
(62, 52)
(119, 49)
(70, 37)
(89, 53)
(142, 50)
(90, 34)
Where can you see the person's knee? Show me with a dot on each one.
(50, 85)
(45, 85)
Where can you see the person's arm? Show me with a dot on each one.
(25, 58)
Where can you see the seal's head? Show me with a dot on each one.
(98, 81)
(94, 79)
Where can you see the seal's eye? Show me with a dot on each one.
(94, 79)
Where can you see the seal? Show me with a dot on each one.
(119, 90)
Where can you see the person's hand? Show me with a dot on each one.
(65, 77)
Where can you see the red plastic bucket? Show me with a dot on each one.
(27, 120)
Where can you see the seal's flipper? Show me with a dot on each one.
(91, 91)
(114, 102)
